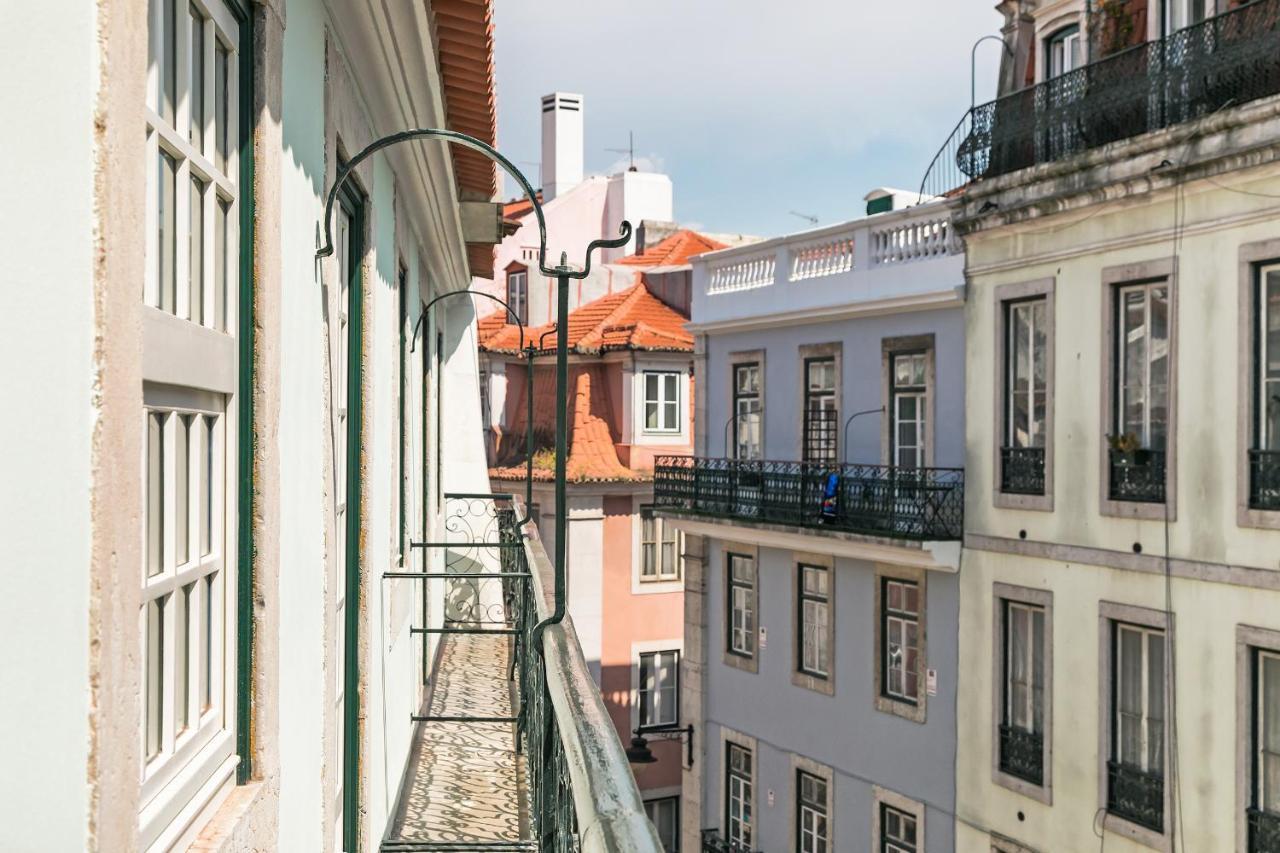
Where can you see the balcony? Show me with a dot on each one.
(1264, 479)
(713, 843)
(1135, 795)
(873, 500)
(514, 749)
(1227, 60)
(1022, 470)
(1264, 831)
(1022, 754)
(1137, 476)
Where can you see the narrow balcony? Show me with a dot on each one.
(1137, 476)
(1264, 479)
(1022, 754)
(713, 843)
(1226, 60)
(874, 500)
(514, 749)
(1135, 795)
(1264, 831)
(1022, 470)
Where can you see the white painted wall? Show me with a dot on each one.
(47, 377)
(635, 196)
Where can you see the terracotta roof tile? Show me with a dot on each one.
(674, 250)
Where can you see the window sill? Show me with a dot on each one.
(899, 708)
(639, 587)
(1146, 837)
(746, 664)
(817, 684)
(240, 818)
(1032, 503)
(1039, 793)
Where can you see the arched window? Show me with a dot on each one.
(1062, 52)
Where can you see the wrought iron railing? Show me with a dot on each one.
(874, 500)
(1022, 754)
(1022, 470)
(1228, 59)
(1264, 479)
(713, 843)
(1135, 795)
(1264, 831)
(1137, 476)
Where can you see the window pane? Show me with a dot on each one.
(155, 678)
(168, 59)
(1269, 403)
(182, 490)
(181, 659)
(195, 240)
(155, 493)
(166, 223)
(208, 477)
(206, 655)
(651, 415)
(223, 264)
(197, 80)
(221, 102)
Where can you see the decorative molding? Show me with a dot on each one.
(952, 297)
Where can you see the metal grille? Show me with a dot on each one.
(820, 435)
(878, 500)
(1264, 831)
(1138, 476)
(1229, 59)
(1022, 470)
(1022, 754)
(1135, 795)
(713, 843)
(1264, 479)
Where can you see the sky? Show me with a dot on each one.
(755, 108)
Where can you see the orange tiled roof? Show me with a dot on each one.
(517, 208)
(674, 250)
(629, 319)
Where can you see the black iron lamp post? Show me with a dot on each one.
(639, 752)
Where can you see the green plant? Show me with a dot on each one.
(1117, 25)
(1124, 442)
(544, 459)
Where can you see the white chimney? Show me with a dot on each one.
(561, 143)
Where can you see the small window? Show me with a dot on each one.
(1264, 816)
(908, 389)
(742, 605)
(900, 632)
(518, 294)
(1135, 772)
(747, 411)
(1140, 365)
(738, 794)
(897, 830)
(1062, 52)
(811, 813)
(662, 402)
(1022, 726)
(814, 620)
(1026, 395)
(664, 814)
(659, 691)
(820, 415)
(659, 548)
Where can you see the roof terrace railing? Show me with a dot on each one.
(1226, 60)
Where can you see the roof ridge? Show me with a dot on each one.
(632, 294)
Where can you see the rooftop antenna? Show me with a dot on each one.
(630, 150)
(813, 220)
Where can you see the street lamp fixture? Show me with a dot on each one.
(639, 752)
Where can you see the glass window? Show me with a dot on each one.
(1135, 772)
(814, 620)
(900, 640)
(659, 691)
(907, 398)
(659, 548)
(1179, 14)
(1026, 388)
(738, 815)
(518, 294)
(167, 228)
(747, 411)
(664, 814)
(742, 605)
(811, 813)
(197, 80)
(897, 830)
(1142, 363)
(820, 415)
(1022, 715)
(662, 402)
(195, 252)
(1268, 349)
(1062, 52)
(1267, 732)
(222, 96)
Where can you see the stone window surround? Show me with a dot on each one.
(1113, 277)
(883, 796)
(1004, 294)
(639, 586)
(747, 742)
(1248, 638)
(648, 647)
(807, 765)
(1110, 613)
(917, 713)
(1252, 257)
(889, 347)
(806, 680)
(1002, 592)
(736, 358)
(737, 661)
(834, 351)
(1004, 844)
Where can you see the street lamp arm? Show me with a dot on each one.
(845, 436)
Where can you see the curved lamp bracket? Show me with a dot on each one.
(453, 136)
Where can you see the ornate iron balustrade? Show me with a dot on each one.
(1264, 831)
(1135, 795)
(1022, 754)
(1138, 476)
(1231, 58)
(1264, 479)
(713, 843)
(1022, 470)
(874, 500)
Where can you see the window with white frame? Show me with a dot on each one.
(747, 410)
(737, 798)
(908, 391)
(661, 401)
(812, 811)
(813, 619)
(900, 640)
(1179, 14)
(658, 696)
(1022, 724)
(1264, 452)
(1265, 804)
(1026, 388)
(1142, 362)
(1135, 772)
(820, 415)
(1062, 52)
(518, 294)
(664, 814)
(742, 605)
(898, 830)
(187, 724)
(659, 548)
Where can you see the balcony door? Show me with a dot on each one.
(907, 396)
(1179, 14)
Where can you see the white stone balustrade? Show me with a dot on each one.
(913, 241)
(824, 257)
(743, 274)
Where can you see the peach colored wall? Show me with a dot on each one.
(631, 619)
